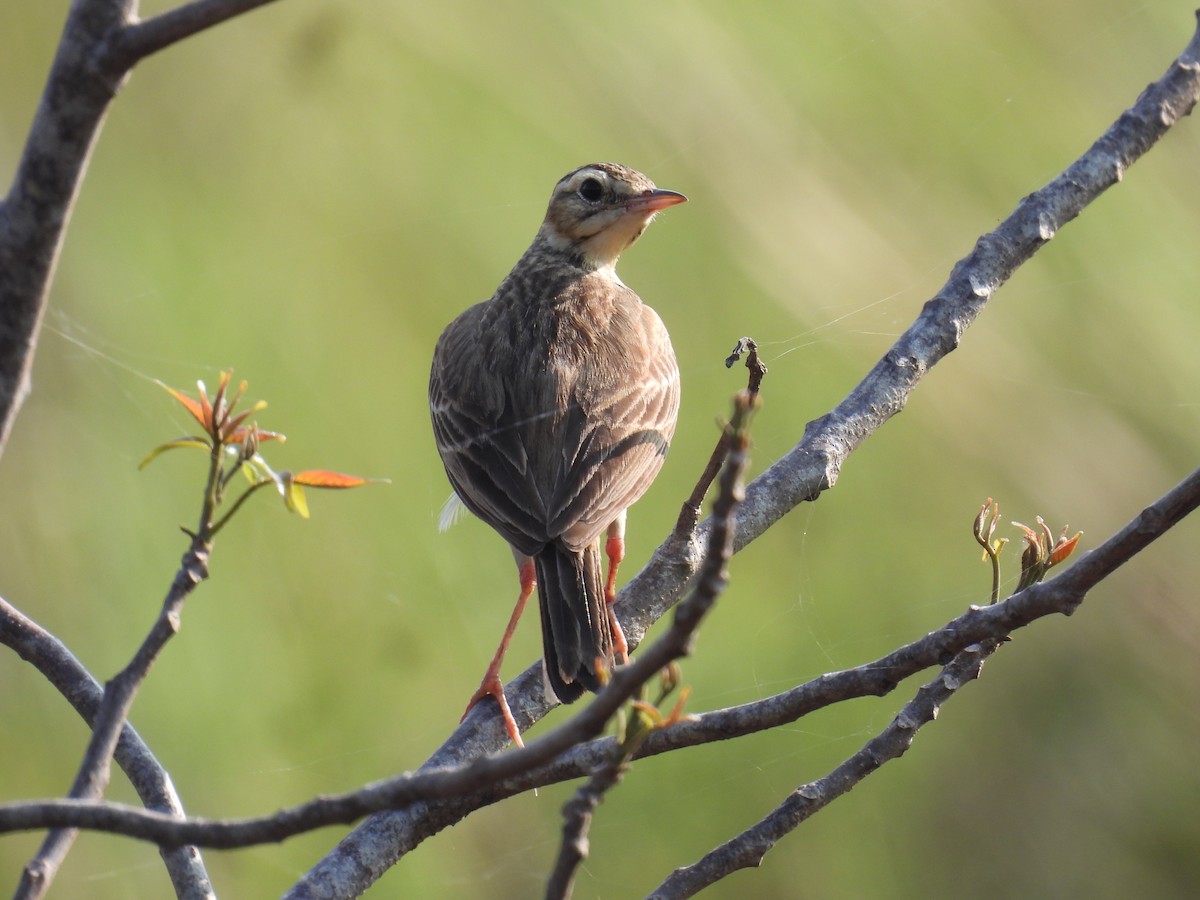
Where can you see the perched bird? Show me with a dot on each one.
(553, 406)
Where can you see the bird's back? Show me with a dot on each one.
(554, 404)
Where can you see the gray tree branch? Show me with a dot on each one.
(812, 466)
(101, 42)
(748, 848)
(561, 754)
(59, 666)
(110, 718)
(1062, 594)
(127, 46)
(34, 215)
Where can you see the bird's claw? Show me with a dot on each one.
(492, 687)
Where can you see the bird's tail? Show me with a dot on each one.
(575, 625)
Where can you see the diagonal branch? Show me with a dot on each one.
(446, 795)
(101, 42)
(577, 822)
(1063, 594)
(812, 466)
(111, 716)
(689, 513)
(748, 848)
(130, 45)
(804, 473)
(577, 814)
(60, 667)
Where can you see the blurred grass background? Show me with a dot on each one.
(308, 194)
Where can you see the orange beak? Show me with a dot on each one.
(655, 200)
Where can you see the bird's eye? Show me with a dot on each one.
(591, 190)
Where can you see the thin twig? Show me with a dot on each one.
(119, 694)
(93, 775)
(748, 848)
(577, 814)
(577, 821)
(689, 513)
(237, 505)
(758, 369)
(435, 784)
(493, 778)
(128, 46)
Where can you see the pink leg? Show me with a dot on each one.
(615, 549)
(491, 686)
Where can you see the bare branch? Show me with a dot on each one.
(130, 45)
(59, 666)
(577, 821)
(100, 44)
(813, 464)
(689, 514)
(577, 814)
(748, 848)
(1062, 594)
(484, 781)
(34, 215)
(111, 717)
(446, 783)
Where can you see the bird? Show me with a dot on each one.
(553, 405)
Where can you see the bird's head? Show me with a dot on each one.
(599, 210)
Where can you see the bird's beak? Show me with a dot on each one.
(654, 201)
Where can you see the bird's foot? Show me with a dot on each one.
(620, 645)
(615, 549)
(491, 686)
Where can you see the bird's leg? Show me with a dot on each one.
(614, 547)
(491, 685)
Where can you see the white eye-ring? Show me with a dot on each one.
(591, 190)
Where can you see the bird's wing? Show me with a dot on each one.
(627, 404)
(482, 448)
(552, 435)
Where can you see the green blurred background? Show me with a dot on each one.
(308, 195)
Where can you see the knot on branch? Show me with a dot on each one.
(194, 565)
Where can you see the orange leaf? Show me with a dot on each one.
(235, 422)
(1064, 548)
(219, 400)
(205, 407)
(240, 435)
(322, 478)
(189, 404)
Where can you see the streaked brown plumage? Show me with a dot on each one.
(553, 406)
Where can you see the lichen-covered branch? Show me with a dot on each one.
(812, 466)
(443, 796)
(59, 666)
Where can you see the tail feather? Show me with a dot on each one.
(575, 626)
